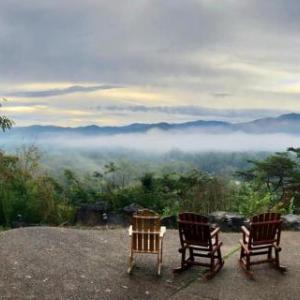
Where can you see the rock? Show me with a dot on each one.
(19, 222)
(132, 208)
(99, 206)
(118, 219)
(227, 221)
(235, 221)
(92, 214)
(169, 222)
(291, 221)
(217, 216)
(129, 210)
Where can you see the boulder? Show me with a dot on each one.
(118, 219)
(132, 208)
(217, 216)
(19, 222)
(291, 222)
(227, 221)
(128, 211)
(235, 221)
(92, 214)
(169, 222)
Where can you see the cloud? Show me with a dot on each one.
(218, 54)
(196, 111)
(221, 95)
(58, 92)
(146, 42)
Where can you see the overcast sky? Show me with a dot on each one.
(71, 62)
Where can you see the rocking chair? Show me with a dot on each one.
(262, 237)
(146, 236)
(197, 236)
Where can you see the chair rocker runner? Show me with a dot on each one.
(146, 236)
(261, 238)
(201, 240)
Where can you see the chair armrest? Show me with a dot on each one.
(130, 230)
(162, 231)
(215, 232)
(245, 230)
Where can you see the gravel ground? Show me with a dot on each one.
(63, 263)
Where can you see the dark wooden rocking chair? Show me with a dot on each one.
(262, 237)
(197, 236)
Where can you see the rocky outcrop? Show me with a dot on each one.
(132, 208)
(115, 218)
(169, 221)
(128, 211)
(228, 221)
(233, 221)
(92, 214)
(98, 214)
(291, 222)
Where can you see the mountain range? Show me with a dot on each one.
(287, 123)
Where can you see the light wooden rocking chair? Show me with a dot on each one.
(146, 236)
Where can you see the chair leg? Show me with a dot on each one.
(215, 267)
(277, 262)
(270, 253)
(212, 263)
(245, 263)
(191, 258)
(242, 255)
(131, 263)
(161, 251)
(159, 263)
(184, 263)
(220, 259)
(159, 258)
(245, 260)
(248, 262)
(210, 274)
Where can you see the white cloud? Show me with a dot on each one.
(163, 53)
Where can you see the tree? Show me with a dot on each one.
(278, 175)
(5, 122)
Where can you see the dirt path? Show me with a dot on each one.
(59, 263)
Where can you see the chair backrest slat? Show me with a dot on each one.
(145, 231)
(264, 228)
(194, 229)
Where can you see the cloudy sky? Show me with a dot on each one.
(81, 62)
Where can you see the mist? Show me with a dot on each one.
(160, 141)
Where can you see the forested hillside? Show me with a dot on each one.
(38, 196)
(40, 185)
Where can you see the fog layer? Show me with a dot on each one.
(160, 141)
